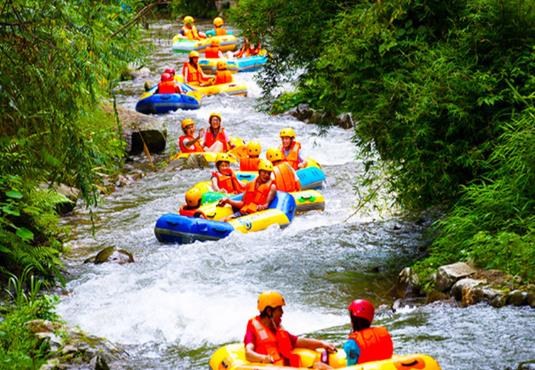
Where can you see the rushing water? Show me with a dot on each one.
(176, 304)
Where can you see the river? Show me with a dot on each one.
(176, 304)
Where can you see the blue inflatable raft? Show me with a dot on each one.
(245, 64)
(154, 103)
(311, 178)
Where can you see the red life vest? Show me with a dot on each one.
(249, 164)
(195, 148)
(285, 178)
(223, 77)
(255, 196)
(220, 31)
(191, 33)
(277, 345)
(192, 75)
(228, 182)
(375, 344)
(194, 212)
(168, 87)
(211, 52)
(293, 156)
(209, 139)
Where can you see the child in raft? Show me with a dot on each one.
(193, 202)
(291, 149)
(224, 180)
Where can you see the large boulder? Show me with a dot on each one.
(112, 254)
(465, 291)
(407, 284)
(449, 274)
(527, 365)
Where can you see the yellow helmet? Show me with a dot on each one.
(188, 19)
(215, 42)
(221, 64)
(265, 166)
(287, 132)
(218, 21)
(186, 122)
(222, 157)
(213, 114)
(270, 299)
(254, 148)
(193, 54)
(274, 154)
(193, 197)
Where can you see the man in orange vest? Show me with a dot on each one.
(250, 163)
(266, 341)
(258, 193)
(188, 143)
(283, 174)
(223, 75)
(291, 149)
(218, 27)
(192, 72)
(213, 51)
(366, 343)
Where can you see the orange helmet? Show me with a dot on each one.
(270, 299)
(186, 122)
(274, 154)
(193, 197)
(218, 21)
(287, 132)
(215, 42)
(221, 64)
(254, 148)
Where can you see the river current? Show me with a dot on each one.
(178, 303)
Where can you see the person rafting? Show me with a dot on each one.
(218, 27)
(258, 193)
(291, 149)
(248, 49)
(284, 175)
(216, 139)
(251, 161)
(366, 343)
(189, 31)
(167, 85)
(266, 341)
(192, 72)
(188, 143)
(193, 202)
(213, 51)
(223, 75)
(224, 180)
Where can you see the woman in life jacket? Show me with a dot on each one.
(213, 51)
(258, 193)
(266, 341)
(193, 202)
(251, 161)
(284, 175)
(189, 143)
(366, 343)
(216, 139)
(189, 31)
(218, 27)
(248, 49)
(167, 84)
(223, 75)
(291, 149)
(224, 180)
(192, 72)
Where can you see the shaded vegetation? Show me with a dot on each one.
(195, 8)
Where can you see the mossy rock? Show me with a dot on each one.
(111, 254)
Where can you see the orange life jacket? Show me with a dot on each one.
(223, 77)
(209, 139)
(255, 196)
(277, 345)
(228, 182)
(168, 87)
(220, 31)
(192, 149)
(193, 212)
(375, 344)
(211, 52)
(192, 75)
(293, 156)
(191, 33)
(285, 178)
(249, 164)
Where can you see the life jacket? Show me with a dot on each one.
(223, 77)
(192, 149)
(211, 52)
(285, 178)
(209, 139)
(168, 87)
(293, 156)
(375, 344)
(191, 74)
(193, 212)
(277, 345)
(255, 196)
(228, 182)
(249, 164)
(191, 33)
(220, 31)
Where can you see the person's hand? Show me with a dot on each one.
(261, 207)
(267, 359)
(222, 202)
(201, 132)
(329, 347)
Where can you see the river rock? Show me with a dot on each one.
(345, 120)
(407, 284)
(111, 254)
(191, 162)
(464, 287)
(136, 72)
(302, 112)
(527, 365)
(517, 298)
(449, 274)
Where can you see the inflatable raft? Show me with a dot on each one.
(232, 89)
(182, 45)
(232, 357)
(153, 103)
(245, 64)
(174, 228)
(310, 177)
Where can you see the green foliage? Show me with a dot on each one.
(194, 8)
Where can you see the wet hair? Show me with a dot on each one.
(265, 313)
(358, 323)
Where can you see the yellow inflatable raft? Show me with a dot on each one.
(232, 88)
(232, 357)
(183, 45)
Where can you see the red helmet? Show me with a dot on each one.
(361, 308)
(166, 77)
(171, 71)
